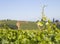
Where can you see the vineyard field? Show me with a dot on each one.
(9, 36)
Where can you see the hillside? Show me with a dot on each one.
(24, 24)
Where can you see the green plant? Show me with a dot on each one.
(29, 36)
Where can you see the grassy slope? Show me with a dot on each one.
(24, 24)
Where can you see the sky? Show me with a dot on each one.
(29, 10)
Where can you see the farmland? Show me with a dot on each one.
(12, 24)
(39, 32)
(29, 36)
(29, 33)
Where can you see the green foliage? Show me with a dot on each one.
(29, 36)
(46, 24)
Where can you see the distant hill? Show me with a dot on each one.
(24, 24)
